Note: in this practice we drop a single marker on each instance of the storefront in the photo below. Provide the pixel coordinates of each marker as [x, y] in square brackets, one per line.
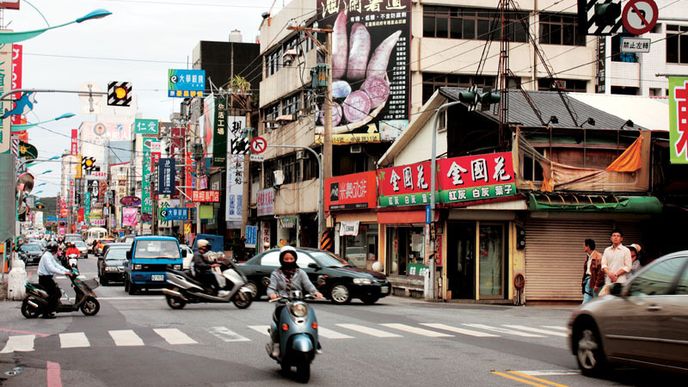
[265, 214]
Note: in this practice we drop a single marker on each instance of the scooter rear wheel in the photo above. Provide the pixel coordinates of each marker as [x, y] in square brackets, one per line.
[29, 311]
[243, 300]
[174, 302]
[90, 307]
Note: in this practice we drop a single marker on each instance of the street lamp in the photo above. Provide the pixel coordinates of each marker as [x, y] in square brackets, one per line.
[23, 127]
[7, 37]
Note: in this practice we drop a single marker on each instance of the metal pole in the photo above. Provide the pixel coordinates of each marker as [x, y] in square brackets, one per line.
[327, 127]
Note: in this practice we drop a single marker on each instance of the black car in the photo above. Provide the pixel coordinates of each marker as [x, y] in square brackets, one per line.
[111, 264]
[334, 277]
[30, 253]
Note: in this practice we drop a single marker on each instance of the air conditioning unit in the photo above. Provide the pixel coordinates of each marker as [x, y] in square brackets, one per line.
[356, 148]
[278, 178]
[289, 56]
[300, 155]
[285, 118]
[271, 125]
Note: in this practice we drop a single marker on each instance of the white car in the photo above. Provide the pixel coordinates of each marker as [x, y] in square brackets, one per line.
[189, 256]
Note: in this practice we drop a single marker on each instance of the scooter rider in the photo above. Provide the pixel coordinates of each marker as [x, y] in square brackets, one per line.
[46, 268]
[288, 277]
[203, 267]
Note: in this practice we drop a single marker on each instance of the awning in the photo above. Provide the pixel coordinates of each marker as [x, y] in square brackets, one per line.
[594, 203]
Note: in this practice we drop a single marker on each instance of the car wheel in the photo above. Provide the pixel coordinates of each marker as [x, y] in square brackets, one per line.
[589, 353]
[126, 284]
[369, 300]
[132, 289]
[339, 294]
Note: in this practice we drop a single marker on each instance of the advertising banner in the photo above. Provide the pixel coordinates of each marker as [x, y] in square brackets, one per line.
[145, 126]
[251, 236]
[87, 205]
[370, 56]
[265, 202]
[5, 86]
[678, 120]
[74, 148]
[358, 190]
[166, 176]
[188, 177]
[207, 127]
[235, 188]
[146, 198]
[479, 177]
[185, 83]
[220, 132]
[129, 216]
[205, 196]
[173, 213]
[404, 185]
[9, 4]
[17, 63]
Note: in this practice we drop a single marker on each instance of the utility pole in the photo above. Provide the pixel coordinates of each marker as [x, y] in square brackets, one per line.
[246, 173]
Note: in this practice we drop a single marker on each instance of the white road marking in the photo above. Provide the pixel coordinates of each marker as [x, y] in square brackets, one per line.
[556, 327]
[417, 331]
[459, 330]
[537, 330]
[330, 334]
[19, 343]
[126, 338]
[175, 336]
[368, 331]
[261, 329]
[74, 340]
[503, 330]
[226, 334]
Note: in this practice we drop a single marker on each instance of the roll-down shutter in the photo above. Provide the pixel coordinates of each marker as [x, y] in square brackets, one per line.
[555, 257]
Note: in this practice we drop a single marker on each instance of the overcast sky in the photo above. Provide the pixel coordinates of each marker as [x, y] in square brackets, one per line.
[137, 43]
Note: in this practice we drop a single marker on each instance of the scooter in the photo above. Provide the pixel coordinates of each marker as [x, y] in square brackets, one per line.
[184, 289]
[298, 335]
[85, 300]
[73, 261]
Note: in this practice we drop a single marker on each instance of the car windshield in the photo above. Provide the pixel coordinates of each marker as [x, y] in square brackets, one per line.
[80, 244]
[31, 248]
[117, 253]
[156, 249]
[328, 259]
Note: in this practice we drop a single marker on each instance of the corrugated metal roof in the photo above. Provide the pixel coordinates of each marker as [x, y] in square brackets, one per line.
[549, 103]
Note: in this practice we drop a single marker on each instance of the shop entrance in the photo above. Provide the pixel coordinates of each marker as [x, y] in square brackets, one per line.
[461, 260]
[491, 256]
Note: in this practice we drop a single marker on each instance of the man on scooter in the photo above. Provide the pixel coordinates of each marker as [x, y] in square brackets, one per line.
[203, 267]
[46, 268]
[288, 277]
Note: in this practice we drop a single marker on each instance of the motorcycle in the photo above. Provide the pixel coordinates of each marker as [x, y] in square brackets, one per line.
[298, 335]
[184, 289]
[85, 300]
[73, 261]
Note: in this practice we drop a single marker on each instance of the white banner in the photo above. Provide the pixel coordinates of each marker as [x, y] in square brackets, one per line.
[349, 228]
[235, 188]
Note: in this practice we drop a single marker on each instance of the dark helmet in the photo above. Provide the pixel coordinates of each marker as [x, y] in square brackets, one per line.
[52, 247]
[287, 249]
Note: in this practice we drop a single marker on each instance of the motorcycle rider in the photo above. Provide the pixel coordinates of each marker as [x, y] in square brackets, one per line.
[203, 267]
[288, 277]
[46, 268]
[72, 249]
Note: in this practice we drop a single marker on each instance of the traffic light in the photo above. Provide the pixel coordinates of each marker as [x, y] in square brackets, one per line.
[469, 97]
[488, 98]
[607, 14]
[119, 94]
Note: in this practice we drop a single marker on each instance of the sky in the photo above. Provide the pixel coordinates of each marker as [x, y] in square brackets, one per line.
[138, 43]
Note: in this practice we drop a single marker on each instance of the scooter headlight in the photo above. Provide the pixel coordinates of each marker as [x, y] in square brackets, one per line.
[299, 309]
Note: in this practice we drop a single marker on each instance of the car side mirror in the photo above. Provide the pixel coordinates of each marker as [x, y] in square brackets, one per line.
[314, 266]
[616, 290]
[183, 253]
[129, 255]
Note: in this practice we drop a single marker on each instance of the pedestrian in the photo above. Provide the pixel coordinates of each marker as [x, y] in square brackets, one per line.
[593, 278]
[635, 259]
[616, 260]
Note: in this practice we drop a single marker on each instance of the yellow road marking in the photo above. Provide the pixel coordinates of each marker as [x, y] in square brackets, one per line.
[524, 381]
[536, 379]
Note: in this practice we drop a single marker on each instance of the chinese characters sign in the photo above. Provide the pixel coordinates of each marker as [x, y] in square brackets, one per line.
[405, 185]
[5, 86]
[265, 202]
[17, 60]
[234, 189]
[477, 177]
[145, 126]
[205, 196]
[220, 132]
[74, 146]
[166, 176]
[185, 83]
[357, 190]
[678, 119]
[146, 198]
[173, 213]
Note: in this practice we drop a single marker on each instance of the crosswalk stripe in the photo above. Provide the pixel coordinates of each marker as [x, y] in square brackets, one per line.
[19, 343]
[226, 334]
[125, 338]
[417, 331]
[503, 330]
[175, 336]
[556, 327]
[368, 331]
[459, 330]
[74, 340]
[537, 330]
[330, 334]
[261, 329]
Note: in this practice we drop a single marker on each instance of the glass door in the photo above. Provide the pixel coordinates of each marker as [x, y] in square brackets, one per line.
[461, 260]
[491, 256]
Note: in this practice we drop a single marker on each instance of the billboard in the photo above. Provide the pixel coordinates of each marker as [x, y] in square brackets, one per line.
[480, 177]
[370, 55]
[358, 190]
[166, 176]
[5, 86]
[404, 185]
[678, 120]
[208, 124]
[185, 83]
[220, 132]
[146, 198]
[17, 60]
[234, 189]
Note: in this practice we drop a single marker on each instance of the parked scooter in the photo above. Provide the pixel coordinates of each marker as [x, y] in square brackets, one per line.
[298, 335]
[85, 300]
[185, 289]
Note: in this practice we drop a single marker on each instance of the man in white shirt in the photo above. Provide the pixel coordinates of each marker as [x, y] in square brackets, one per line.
[616, 260]
[46, 268]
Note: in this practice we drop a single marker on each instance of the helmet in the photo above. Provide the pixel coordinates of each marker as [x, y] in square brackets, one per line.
[52, 247]
[287, 249]
[203, 243]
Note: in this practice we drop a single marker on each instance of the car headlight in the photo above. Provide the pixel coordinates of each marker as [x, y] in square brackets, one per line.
[299, 309]
[362, 281]
[137, 267]
[177, 267]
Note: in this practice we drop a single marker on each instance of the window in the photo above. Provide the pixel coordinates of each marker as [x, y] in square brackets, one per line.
[657, 279]
[656, 92]
[571, 85]
[532, 170]
[272, 62]
[677, 44]
[292, 104]
[271, 112]
[560, 29]
[472, 23]
[682, 286]
[433, 81]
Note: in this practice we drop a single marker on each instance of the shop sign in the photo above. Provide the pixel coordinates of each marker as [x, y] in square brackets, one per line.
[166, 176]
[234, 189]
[478, 177]
[130, 201]
[404, 185]
[357, 190]
[205, 196]
[287, 221]
[183, 83]
[417, 269]
[251, 236]
[265, 202]
[349, 228]
[678, 120]
[206, 212]
[265, 235]
[97, 222]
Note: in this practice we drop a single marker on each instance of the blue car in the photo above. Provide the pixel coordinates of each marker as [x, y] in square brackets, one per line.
[148, 261]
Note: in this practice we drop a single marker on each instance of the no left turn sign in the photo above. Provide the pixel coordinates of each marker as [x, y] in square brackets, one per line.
[258, 145]
[640, 16]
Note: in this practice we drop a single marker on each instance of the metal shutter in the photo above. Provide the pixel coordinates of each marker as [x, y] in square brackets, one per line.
[554, 254]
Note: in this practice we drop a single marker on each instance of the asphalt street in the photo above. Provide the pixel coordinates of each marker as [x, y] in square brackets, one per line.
[139, 341]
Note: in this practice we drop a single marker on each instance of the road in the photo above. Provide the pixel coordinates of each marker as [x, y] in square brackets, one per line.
[140, 341]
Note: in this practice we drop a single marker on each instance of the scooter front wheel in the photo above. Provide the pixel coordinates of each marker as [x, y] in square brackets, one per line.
[90, 307]
[29, 311]
[303, 371]
[243, 300]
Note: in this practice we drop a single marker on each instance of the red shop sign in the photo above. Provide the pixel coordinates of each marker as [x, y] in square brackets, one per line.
[357, 190]
[405, 185]
[206, 196]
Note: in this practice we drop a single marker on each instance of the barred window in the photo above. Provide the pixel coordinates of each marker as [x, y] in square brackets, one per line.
[560, 30]
[572, 85]
[677, 44]
[291, 104]
[431, 82]
[472, 23]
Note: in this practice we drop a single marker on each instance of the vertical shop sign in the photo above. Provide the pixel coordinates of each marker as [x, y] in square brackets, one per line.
[5, 86]
[235, 188]
[678, 120]
[146, 198]
[166, 176]
[17, 63]
[74, 149]
[220, 132]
